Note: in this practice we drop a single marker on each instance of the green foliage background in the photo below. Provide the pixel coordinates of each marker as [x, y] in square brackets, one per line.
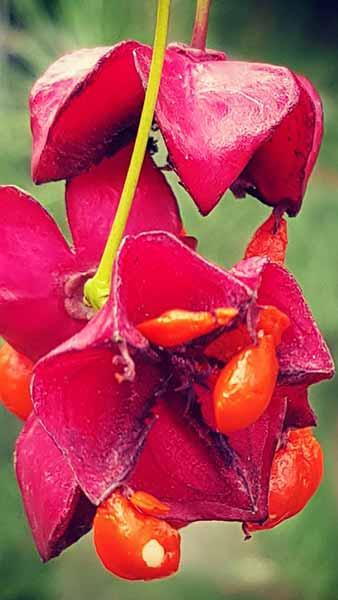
[298, 560]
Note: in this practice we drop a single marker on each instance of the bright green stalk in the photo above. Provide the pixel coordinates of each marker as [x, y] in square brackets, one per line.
[97, 288]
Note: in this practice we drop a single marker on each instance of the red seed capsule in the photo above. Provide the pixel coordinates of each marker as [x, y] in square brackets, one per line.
[296, 473]
[133, 545]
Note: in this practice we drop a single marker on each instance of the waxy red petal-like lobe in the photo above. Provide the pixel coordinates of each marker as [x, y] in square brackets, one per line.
[278, 172]
[80, 107]
[35, 260]
[155, 272]
[318, 130]
[41, 277]
[98, 421]
[270, 240]
[255, 447]
[203, 475]
[214, 115]
[299, 412]
[57, 511]
[303, 354]
[196, 55]
[92, 200]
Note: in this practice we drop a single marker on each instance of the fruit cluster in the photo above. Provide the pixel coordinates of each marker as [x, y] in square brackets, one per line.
[184, 397]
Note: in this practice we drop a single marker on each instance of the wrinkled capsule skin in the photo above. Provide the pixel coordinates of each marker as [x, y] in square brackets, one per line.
[245, 386]
[76, 110]
[257, 128]
[296, 473]
[15, 375]
[133, 545]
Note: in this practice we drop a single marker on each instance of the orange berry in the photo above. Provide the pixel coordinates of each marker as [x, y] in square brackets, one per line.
[177, 326]
[296, 473]
[15, 375]
[245, 386]
[270, 319]
[133, 545]
[270, 240]
[148, 504]
[273, 322]
[229, 343]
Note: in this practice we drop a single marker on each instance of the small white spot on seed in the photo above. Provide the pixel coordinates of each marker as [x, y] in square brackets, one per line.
[153, 554]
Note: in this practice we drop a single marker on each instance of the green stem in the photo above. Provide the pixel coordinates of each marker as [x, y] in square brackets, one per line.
[200, 31]
[97, 288]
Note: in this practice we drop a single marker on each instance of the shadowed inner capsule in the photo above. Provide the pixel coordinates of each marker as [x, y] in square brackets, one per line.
[232, 376]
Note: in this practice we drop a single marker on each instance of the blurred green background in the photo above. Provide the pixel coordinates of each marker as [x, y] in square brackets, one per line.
[298, 560]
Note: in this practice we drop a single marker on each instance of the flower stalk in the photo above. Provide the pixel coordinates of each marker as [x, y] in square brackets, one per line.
[96, 290]
[200, 30]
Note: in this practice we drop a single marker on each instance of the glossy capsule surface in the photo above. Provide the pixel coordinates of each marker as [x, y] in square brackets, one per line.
[134, 545]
